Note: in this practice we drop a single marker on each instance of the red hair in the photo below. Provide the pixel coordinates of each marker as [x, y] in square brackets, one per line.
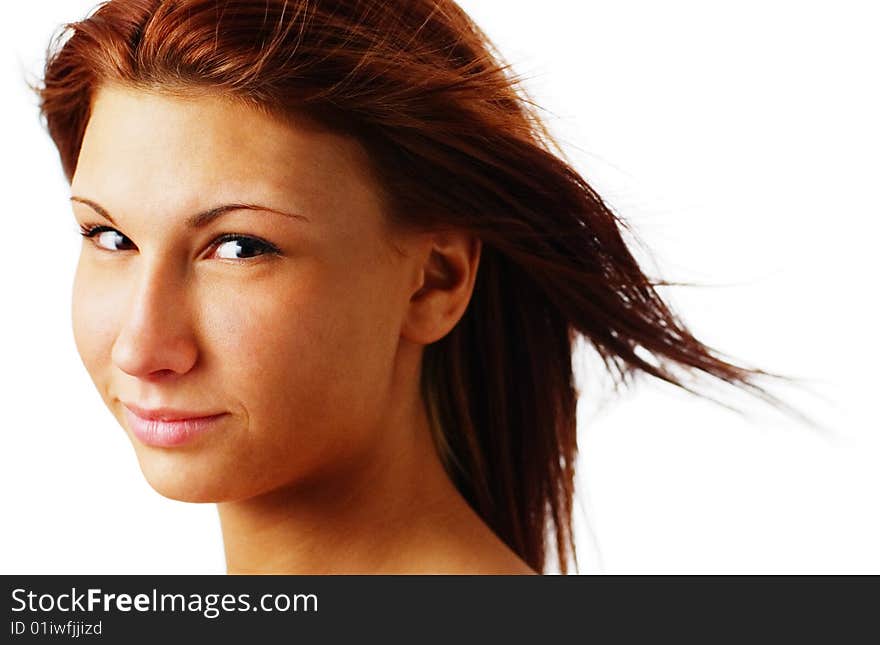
[455, 142]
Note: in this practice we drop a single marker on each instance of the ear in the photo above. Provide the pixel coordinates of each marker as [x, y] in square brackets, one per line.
[447, 275]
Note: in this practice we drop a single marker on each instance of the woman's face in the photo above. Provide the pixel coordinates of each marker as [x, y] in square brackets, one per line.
[280, 321]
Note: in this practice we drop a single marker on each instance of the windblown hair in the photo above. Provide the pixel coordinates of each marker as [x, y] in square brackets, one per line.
[455, 142]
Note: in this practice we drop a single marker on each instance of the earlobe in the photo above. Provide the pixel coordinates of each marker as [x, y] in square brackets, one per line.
[447, 280]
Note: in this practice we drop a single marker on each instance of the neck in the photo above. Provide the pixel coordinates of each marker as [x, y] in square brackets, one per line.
[396, 512]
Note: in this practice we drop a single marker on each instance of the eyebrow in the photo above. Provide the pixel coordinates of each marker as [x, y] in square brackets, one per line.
[199, 219]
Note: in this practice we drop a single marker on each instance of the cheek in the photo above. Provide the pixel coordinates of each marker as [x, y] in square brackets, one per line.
[310, 356]
[283, 343]
[95, 307]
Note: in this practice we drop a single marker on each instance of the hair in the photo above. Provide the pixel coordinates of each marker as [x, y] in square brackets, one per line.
[455, 142]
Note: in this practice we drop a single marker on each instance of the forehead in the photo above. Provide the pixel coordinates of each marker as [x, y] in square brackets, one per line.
[154, 148]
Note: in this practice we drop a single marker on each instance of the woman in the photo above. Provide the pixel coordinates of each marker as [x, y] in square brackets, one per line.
[331, 277]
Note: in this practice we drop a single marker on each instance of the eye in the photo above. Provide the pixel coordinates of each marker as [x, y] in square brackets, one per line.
[106, 238]
[233, 246]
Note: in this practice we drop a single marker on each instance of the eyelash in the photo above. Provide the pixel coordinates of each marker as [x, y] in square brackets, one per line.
[91, 230]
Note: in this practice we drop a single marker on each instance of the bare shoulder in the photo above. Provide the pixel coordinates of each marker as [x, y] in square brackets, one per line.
[471, 554]
[505, 562]
[484, 554]
[457, 541]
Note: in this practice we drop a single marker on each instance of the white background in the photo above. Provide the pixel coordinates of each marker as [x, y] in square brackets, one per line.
[741, 142]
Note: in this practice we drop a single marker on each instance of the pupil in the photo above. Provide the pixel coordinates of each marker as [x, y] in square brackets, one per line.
[244, 248]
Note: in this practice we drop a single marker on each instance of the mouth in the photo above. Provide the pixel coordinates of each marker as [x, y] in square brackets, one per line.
[167, 427]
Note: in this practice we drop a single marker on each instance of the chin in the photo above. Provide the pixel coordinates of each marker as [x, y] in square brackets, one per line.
[185, 478]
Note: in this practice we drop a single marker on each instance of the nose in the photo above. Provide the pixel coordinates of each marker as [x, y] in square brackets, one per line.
[156, 338]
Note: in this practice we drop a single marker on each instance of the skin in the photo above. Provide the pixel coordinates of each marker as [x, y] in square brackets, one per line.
[323, 461]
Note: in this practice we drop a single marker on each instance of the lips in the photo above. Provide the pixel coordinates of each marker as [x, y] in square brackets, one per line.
[169, 427]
